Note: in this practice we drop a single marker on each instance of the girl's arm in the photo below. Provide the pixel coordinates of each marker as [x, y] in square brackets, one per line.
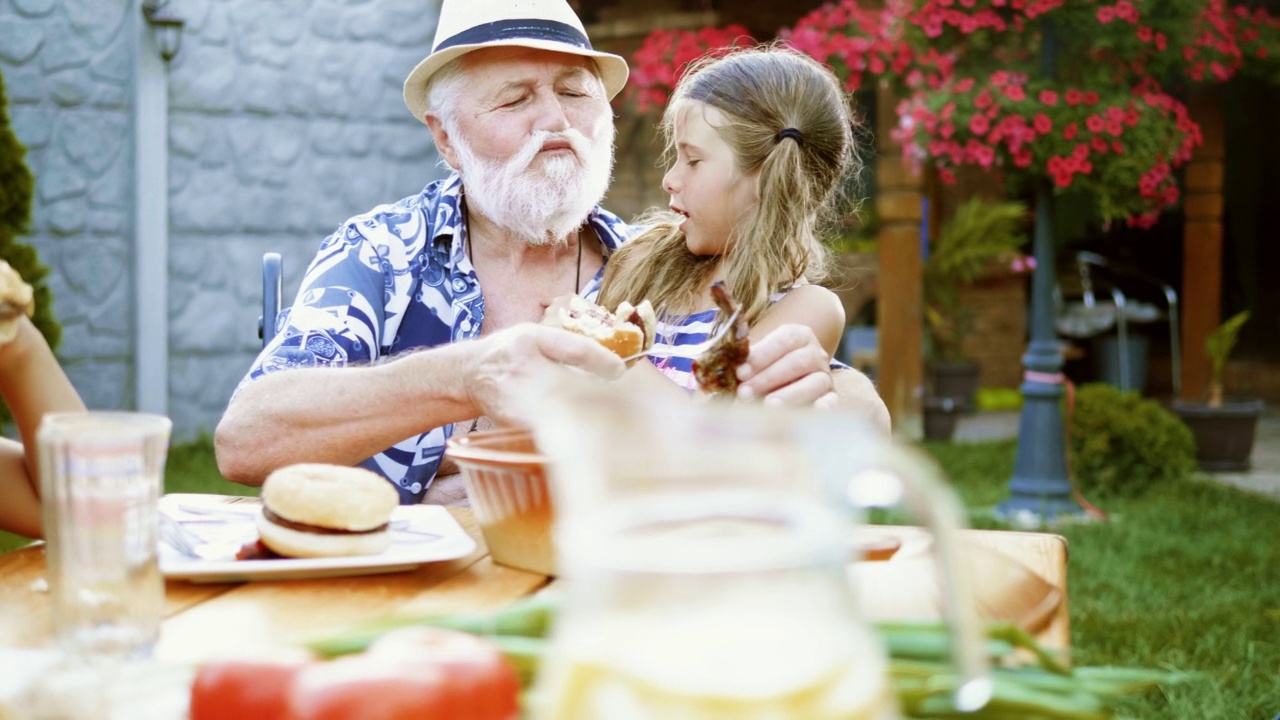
[32, 384]
[810, 305]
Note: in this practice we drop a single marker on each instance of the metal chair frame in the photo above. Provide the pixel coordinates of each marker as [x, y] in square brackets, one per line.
[272, 284]
[1086, 260]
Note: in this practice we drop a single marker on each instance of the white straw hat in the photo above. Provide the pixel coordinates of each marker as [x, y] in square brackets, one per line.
[467, 25]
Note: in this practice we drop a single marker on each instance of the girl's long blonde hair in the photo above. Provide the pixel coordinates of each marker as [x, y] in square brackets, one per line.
[760, 91]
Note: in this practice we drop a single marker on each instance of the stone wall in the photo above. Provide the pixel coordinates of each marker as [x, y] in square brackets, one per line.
[67, 66]
[285, 119]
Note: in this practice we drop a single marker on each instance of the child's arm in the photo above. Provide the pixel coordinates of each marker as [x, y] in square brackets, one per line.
[810, 305]
[32, 384]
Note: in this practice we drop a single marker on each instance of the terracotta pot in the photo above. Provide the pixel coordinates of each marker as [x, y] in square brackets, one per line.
[955, 380]
[1224, 435]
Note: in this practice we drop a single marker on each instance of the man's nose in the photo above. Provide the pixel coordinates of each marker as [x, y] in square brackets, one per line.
[551, 114]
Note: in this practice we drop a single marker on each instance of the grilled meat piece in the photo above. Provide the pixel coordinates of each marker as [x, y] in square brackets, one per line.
[716, 370]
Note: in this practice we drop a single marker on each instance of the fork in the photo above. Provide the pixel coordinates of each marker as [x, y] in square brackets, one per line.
[177, 537]
[709, 342]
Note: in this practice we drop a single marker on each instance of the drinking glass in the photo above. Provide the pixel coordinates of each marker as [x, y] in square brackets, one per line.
[101, 475]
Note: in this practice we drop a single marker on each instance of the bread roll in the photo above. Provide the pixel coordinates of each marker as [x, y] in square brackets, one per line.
[16, 299]
[625, 332]
[317, 510]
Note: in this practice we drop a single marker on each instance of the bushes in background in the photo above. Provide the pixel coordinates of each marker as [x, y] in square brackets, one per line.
[1124, 445]
[16, 188]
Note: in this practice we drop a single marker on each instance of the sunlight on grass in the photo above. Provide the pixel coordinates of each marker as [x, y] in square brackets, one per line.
[1182, 578]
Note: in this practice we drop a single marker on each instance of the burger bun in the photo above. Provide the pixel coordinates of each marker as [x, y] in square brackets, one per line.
[348, 507]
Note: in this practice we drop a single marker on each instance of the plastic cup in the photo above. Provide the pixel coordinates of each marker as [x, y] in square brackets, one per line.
[101, 477]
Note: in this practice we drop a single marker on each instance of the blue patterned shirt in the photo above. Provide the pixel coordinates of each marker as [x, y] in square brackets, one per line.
[396, 279]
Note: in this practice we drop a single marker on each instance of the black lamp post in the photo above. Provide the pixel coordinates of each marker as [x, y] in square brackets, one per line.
[1040, 484]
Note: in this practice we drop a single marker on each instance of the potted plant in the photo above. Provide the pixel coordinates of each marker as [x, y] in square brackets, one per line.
[1224, 428]
[983, 237]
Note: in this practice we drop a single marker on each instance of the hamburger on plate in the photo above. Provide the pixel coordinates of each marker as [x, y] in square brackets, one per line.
[316, 510]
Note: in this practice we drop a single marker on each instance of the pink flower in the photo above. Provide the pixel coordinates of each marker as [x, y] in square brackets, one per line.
[1043, 124]
[979, 125]
[1048, 97]
[1074, 97]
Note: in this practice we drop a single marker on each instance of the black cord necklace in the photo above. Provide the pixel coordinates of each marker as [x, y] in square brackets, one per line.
[577, 273]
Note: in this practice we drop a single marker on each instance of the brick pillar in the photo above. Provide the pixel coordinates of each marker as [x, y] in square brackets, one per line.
[1201, 298]
[899, 309]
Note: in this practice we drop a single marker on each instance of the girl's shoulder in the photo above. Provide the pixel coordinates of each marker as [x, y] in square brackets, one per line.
[809, 295]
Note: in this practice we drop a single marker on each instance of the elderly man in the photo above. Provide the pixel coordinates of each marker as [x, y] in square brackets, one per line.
[517, 103]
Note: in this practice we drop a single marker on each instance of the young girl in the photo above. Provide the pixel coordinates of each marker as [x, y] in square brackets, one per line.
[762, 140]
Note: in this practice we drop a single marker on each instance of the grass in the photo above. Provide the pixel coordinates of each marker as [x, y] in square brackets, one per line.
[1183, 578]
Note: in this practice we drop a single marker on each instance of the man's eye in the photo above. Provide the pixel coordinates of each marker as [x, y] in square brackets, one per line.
[513, 103]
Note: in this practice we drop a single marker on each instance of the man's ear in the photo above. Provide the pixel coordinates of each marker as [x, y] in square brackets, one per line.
[444, 143]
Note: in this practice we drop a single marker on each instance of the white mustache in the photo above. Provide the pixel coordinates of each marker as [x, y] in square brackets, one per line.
[578, 143]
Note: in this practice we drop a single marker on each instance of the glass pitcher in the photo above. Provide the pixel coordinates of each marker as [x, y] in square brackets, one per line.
[704, 548]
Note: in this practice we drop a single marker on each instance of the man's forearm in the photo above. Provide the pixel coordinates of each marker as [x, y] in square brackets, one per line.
[859, 395]
[339, 415]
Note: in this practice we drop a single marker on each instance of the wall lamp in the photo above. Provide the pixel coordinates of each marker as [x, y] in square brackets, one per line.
[167, 27]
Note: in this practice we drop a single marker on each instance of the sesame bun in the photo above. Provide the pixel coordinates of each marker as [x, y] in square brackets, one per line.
[325, 511]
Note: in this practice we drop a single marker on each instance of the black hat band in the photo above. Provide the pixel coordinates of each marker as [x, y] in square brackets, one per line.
[530, 29]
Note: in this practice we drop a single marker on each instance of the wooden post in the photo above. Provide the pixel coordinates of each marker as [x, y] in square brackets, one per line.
[900, 304]
[1202, 241]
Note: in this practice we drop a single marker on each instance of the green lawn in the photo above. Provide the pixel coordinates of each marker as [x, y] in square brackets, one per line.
[1185, 578]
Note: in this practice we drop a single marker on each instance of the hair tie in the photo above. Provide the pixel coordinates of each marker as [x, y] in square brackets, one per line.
[792, 133]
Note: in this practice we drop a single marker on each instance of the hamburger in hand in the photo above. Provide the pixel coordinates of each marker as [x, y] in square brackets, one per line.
[627, 331]
[316, 510]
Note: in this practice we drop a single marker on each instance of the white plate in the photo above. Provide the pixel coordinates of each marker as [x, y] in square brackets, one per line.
[233, 525]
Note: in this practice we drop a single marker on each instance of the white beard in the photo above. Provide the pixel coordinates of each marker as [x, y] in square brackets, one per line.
[541, 205]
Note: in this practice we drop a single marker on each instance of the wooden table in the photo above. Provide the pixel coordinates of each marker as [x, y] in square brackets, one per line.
[203, 621]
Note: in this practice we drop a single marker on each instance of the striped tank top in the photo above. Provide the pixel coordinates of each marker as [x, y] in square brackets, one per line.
[686, 336]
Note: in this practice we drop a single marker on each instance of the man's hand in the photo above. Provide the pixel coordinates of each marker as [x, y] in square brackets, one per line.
[788, 366]
[510, 361]
[551, 314]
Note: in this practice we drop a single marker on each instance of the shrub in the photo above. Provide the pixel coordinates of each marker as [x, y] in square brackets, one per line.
[1123, 444]
[16, 188]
